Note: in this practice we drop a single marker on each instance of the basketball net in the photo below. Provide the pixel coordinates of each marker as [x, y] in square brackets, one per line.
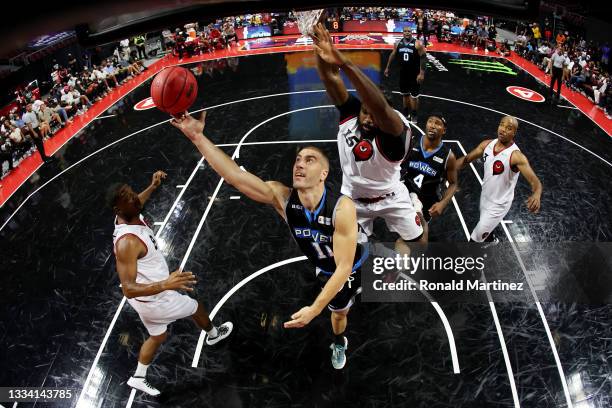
[307, 19]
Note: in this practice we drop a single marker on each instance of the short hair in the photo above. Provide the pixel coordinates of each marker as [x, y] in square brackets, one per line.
[317, 149]
[113, 193]
[440, 116]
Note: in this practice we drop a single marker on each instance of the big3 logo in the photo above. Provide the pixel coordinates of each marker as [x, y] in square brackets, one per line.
[498, 167]
[363, 150]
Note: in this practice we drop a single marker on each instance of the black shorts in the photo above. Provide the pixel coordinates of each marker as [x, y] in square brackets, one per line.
[409, 84]
[346, 297]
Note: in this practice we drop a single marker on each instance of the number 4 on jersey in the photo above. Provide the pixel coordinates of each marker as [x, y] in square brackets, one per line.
[418, 180]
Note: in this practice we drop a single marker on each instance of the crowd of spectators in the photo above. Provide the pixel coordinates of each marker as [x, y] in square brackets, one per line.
[75, 87]
[79, 84]
[585, 64]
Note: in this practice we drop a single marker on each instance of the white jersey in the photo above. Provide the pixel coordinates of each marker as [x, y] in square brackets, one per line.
[152, 267]
[499, 177]
[366, 172]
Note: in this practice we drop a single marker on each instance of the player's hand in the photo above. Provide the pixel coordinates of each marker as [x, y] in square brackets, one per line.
[179, 280]
[158, 176]
[533, 203]
[437, 209]
[420, 78]
[192, 128]
[386, 72]
[324, 47]
[301, 318]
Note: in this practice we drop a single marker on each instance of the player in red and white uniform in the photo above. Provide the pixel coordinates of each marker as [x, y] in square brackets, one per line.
[373, 140]
[503, 161]
[147, 282]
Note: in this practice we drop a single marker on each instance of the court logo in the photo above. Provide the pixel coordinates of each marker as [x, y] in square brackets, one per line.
[145, 104]
[525, 94]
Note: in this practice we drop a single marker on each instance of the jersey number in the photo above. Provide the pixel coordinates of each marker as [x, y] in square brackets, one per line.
[406, 56]
[418, 180]
[320, 254]
[154, 242]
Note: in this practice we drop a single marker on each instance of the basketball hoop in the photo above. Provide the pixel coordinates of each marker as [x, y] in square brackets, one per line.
[307, 19]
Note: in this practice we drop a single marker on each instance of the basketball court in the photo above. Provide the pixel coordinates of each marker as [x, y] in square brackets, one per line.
[66, 324]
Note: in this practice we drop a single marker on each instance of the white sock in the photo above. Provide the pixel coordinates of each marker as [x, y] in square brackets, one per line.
[212, 332]
[141, 370]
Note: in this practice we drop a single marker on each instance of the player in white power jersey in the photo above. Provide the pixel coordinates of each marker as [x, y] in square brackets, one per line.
[503, 161]
[147, 282]
[373, 140]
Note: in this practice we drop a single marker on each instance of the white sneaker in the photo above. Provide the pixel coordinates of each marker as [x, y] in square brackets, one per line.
[222, 332]
[141, 384]
[338, 357]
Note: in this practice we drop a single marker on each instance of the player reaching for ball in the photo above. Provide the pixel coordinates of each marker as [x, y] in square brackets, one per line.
[373, 140]
[322, 222]
[503, 161]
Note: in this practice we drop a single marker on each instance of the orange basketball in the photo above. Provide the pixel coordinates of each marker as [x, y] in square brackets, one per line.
[174, 90]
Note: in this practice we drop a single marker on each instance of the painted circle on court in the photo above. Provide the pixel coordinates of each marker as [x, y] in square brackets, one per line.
[145, 104]
[525, 94]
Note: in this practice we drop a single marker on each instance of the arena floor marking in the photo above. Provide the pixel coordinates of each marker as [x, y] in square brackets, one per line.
[123, 300]
[548, 85]
[551, 341]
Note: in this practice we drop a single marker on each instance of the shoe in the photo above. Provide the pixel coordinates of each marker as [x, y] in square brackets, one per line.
[222, 332]
[141, 384]
[489, 244]
[338, 357]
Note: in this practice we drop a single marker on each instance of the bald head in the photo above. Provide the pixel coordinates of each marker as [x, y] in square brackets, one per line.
[510, 120]
[507, 129]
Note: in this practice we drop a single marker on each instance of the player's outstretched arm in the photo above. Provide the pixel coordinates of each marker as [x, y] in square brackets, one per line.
[473, 155]
[344, 246]
[330, 76]
[519, 160]
[272, 192]
[127, 251]
[451, 176]
[387, 119]
[156, 180]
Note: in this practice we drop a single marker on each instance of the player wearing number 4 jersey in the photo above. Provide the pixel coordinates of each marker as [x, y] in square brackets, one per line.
[503, 161]
[323, 223]
[147, 282]
[427, 166]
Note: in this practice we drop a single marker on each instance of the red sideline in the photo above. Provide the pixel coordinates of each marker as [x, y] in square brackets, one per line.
[30, 165]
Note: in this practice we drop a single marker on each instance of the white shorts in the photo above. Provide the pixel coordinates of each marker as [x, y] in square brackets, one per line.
[490, 216]
[158, 314]
[397, 211]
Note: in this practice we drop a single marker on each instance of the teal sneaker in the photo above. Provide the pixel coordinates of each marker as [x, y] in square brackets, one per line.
[338, 357]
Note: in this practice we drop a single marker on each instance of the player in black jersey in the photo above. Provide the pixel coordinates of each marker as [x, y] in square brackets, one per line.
[323, 223]
[413, 62]
[428, 165]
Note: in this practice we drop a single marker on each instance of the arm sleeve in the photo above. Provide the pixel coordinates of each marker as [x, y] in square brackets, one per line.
[350, 108]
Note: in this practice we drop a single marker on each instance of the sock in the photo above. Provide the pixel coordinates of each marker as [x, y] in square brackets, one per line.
[339, 339]
[212, 332]
[141, 370]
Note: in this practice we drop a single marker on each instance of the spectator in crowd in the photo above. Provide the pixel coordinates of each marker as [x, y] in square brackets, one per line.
[139, 42]
[229, 34]
[537, 35]
[31, 121]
